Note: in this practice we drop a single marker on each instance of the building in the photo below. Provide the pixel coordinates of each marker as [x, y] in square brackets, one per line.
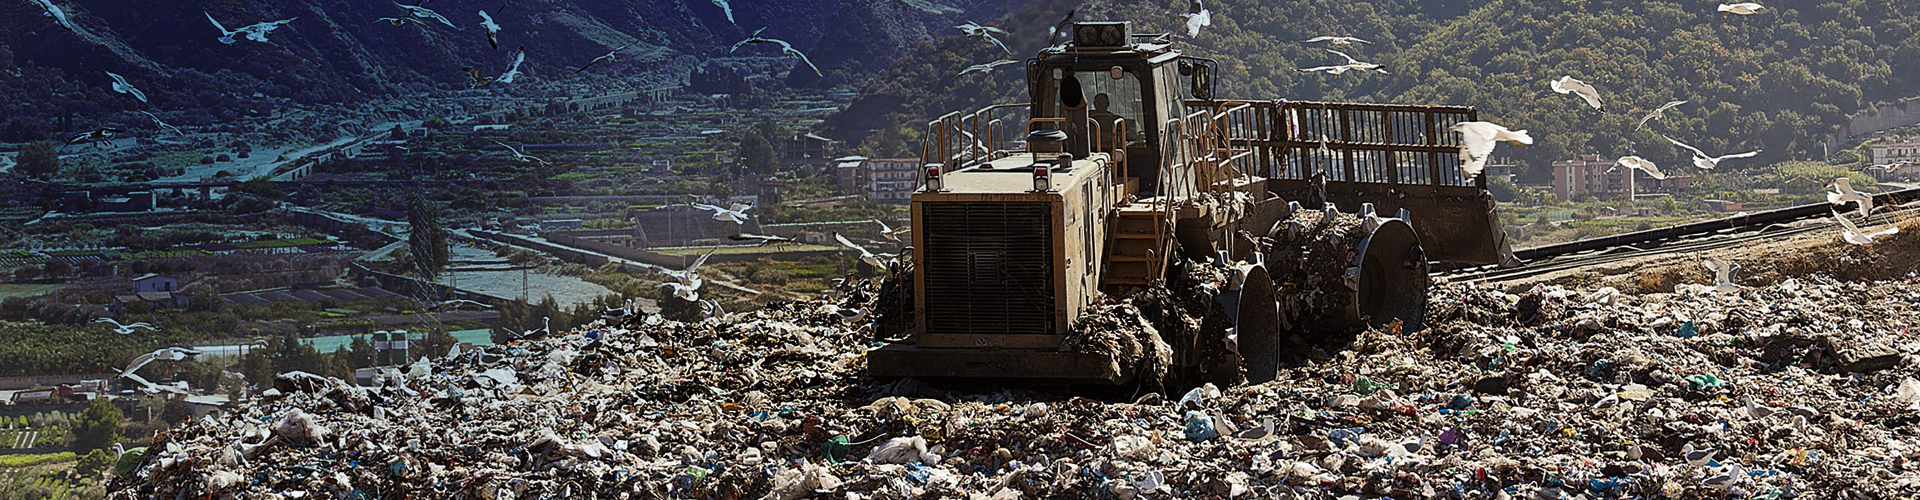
[847, 171]
[1589, 175]
[1674, 183]
[808, 148]
[680, 225]
[155, 283]
[1897, 151]
[891, 179]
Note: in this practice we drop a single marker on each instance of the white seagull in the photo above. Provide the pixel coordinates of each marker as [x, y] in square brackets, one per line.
[609, 56]
[168, 354]
[1351, 65]
[1641, 164]
[785, 48]
[426, 13]
[1337, 41]
[1851, 233]
[256, 32]
[1744, 9]
[984, 68]
[1477, 140]
[126, 328]
[401, 21]
[1568, 85]
[120, 85]
[156, 120]
[737, 213]
[1723, 272]
[515, 70]
[974, 29]
[763, 239]
[493, 30]
[726, 8]
[691, 273]
[59, 15]
[889, 232]
[1704, 162]
[519, 156]
[688, 291]
[1197, 17]
[1843, 193]
[1660, 112]
[872, 259]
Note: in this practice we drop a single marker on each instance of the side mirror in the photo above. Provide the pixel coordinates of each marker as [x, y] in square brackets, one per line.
[1202, 82]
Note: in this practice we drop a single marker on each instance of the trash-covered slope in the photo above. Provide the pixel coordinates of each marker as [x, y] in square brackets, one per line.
[1803, 388]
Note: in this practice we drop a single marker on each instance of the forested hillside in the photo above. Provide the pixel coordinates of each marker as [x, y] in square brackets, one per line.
[339, 52]
[1778, 81]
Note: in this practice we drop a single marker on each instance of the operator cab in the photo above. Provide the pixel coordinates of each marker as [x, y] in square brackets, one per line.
[1125, 87]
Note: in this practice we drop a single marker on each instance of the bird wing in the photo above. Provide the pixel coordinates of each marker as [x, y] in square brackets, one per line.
[137, 363]
[1748, 154]
[843, 241]
[1696, 151]
[1717, 267]
[883, 226]
[1318, 39]
[997, 42]
[1196, 21]
[1476, 143]
[516, 152]
[804, 59]
[216, 24]
[486, 21]
[1670, 105]
[727, 9]
[701, 261]
[1845, 224]
[1350, 59]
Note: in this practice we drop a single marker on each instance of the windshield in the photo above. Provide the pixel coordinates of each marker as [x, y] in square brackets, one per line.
[1107, 99]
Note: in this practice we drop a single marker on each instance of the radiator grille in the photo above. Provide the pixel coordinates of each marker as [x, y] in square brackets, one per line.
[988, 268]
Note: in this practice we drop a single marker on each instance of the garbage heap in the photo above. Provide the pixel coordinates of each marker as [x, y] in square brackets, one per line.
[1805, 388]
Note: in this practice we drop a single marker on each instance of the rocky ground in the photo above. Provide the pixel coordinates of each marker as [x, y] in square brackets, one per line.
[1803, 387]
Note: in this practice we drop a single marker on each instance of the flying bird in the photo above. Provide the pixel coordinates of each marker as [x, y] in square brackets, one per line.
[609, 56]
[1723, 272]
[1660, 112]
[400, 21]
[785, 48]
[1351, 65]
[493, 30]
[168, 354]
[1852, 234]
[889, 232]
[726, 8]
[1704, 162]
[120, 85]
[1197, 17]
[973, 29]
[763, 239]
[426, 13]
[1337, 41]
[1568, 85]
[162, 124]
[984, 68]
[256, 32]
[1641, 164]
[737, 213]
[519, 156]
[479, 80]
[686, 282]
[95, 135]
[872, 259]
[515, 70]
[1477, 140]
[1744, 9]
[126, 328]
[1843, 193]
[59, 15]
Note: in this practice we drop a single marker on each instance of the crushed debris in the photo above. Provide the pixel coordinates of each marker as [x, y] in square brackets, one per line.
[1802, 388]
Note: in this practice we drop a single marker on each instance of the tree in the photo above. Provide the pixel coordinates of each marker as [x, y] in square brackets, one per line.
[756, 151]
[98, 426]
[428, 239]
[93, 463]
[39, 159]
[438, 343]
[360, 352]
[397, 133]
